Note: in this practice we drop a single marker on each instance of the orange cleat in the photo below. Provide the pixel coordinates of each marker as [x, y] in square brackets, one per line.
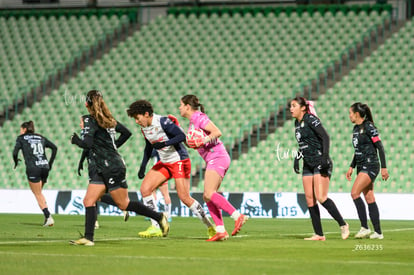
[238, 224]
[220, 236]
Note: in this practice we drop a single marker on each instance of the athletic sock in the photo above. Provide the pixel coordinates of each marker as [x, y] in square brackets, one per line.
[90, 218]
[236, 214]
[106, 198]
[220, 229]
[46, 212]
[333, 210]
[141, 209]
[221, 203]
[149, 201]
[374, 215]
[198, 210]
[97, 210]
[168, 209]
[362, 212]
[215, 213]
[316, 219]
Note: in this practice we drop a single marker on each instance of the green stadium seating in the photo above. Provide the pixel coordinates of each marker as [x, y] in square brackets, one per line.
[239, 66]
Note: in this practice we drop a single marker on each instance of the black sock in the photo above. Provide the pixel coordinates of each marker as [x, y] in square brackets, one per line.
[374, 215]
[143, 210]
[97, 210]
[331, 207]
[316, 219]
[106, 198]
[362, 212]
[90, 218]
[46, 212]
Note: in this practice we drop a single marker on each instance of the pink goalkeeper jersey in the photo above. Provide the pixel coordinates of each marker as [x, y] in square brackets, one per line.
[210, 150]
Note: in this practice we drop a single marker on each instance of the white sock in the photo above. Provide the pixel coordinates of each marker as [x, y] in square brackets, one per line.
[168, 209]
[235, 215]
[220, 229]
[198, 210]
[149, 201]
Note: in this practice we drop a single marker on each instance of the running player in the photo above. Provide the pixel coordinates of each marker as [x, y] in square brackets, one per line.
[162, 134]
[93, 176]
[317, 166]
[212, 150]
[99, 138]
[366, 141]
[37, 165]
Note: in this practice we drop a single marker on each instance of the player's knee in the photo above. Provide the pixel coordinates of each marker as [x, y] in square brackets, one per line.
[87, 202]
[355, 195]
[207, 196]
[146, 190]
[322, 199]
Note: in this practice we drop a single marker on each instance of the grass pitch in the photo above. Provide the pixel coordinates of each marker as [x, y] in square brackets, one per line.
[264, 246]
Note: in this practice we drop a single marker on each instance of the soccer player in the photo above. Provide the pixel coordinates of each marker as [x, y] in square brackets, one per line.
[163, 189]
[162, 134]
[100, 138]
[366, 142]
[37, 165]
[313, 143]
[212, 150]
[92, 173]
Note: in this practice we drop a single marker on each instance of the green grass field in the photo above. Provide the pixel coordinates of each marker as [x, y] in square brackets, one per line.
[265, 246]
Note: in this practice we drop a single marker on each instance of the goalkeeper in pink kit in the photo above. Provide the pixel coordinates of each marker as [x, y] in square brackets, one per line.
[212, 150]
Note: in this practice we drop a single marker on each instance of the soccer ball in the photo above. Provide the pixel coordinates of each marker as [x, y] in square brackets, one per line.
[195, 134]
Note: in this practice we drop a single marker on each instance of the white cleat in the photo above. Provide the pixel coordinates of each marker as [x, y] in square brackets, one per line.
[363, 233]
[126, 215]
[345, 231]
[377, 236]
[82, 241]
[49, 221]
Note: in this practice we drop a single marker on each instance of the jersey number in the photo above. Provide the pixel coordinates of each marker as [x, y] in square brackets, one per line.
[37, 148]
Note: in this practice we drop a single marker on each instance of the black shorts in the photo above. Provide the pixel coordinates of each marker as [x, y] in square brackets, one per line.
[309, 170]
[94, 177]
[37, 174]
[114, 179]
[371, 169]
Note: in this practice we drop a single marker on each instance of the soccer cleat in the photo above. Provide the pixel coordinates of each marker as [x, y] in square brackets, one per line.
[164, 225]
[315, 238]
[219, 236]
[363, 233]
[211, 231]
[126, 216]
[96, 225]
[377, 236]
[49, 222]
[238, 224]
[345, 231]
[169, 219]
[151, 232]
[82, 241]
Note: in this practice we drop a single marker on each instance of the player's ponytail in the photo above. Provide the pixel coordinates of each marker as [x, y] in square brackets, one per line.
[29, 126]
[193, 101]
[98, 109]
[308, 104]
[363, 110]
